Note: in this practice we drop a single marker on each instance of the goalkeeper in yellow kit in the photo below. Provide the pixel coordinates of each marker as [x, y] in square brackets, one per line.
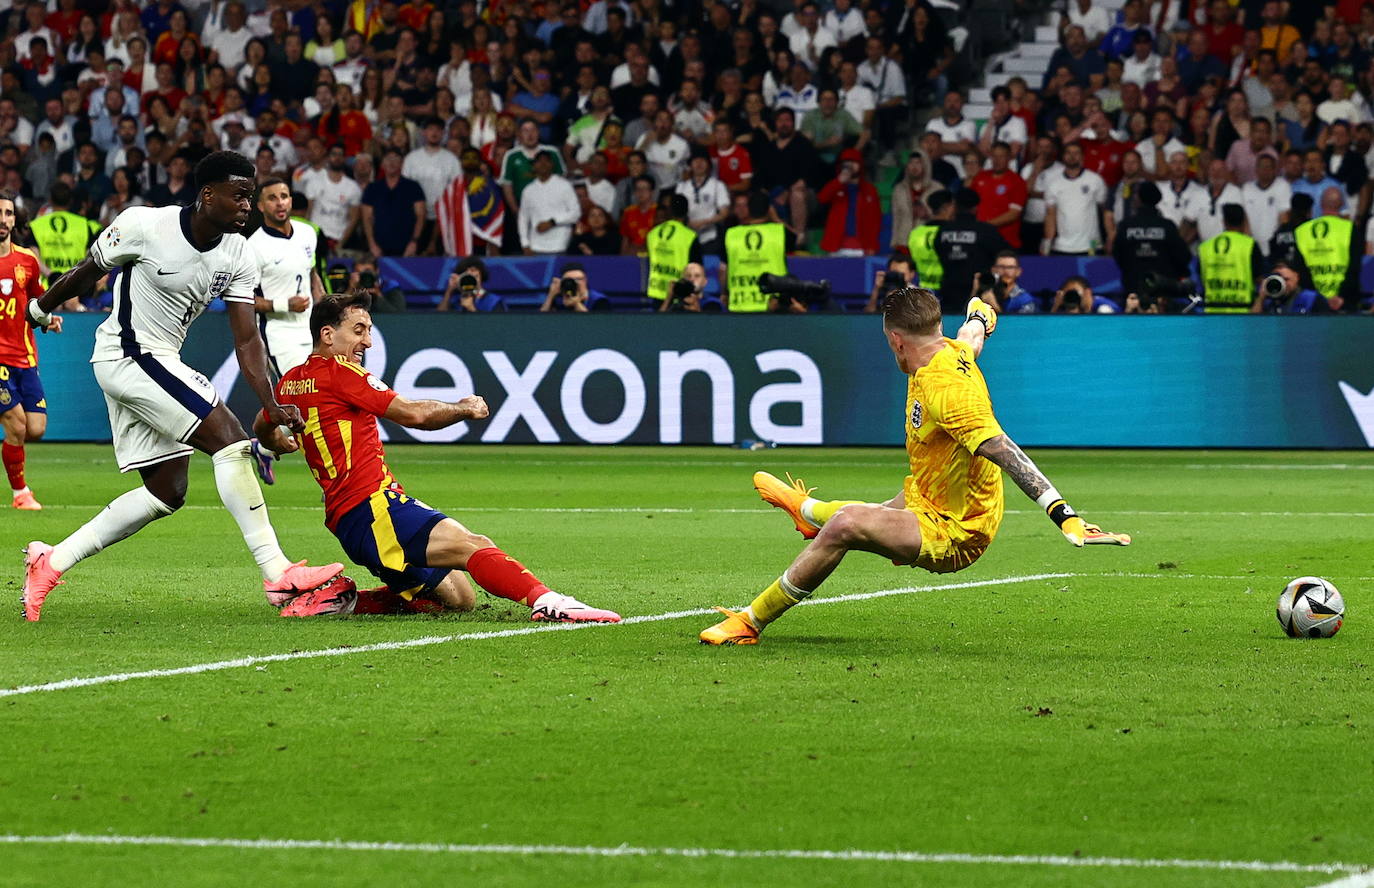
[951, 504]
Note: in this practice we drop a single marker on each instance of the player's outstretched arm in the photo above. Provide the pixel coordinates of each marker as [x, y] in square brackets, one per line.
[431, 415]
[252, 359]
[78, 282]
[276, 438]
[1003, 452]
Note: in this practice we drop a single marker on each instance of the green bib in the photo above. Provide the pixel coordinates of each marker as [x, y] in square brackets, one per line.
[921, 243]
[1324, 243]
[1228, 280]
[63, 238]
[670, 249]
[751, 250]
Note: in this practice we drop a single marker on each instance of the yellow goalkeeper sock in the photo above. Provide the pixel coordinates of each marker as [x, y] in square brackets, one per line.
[774, 601]
[820, 511]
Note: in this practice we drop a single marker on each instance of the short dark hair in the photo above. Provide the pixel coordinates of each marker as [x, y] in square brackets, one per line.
[472, 263]
[912, 310]
[1148, 194]
[903, 258]
[1301, 202]
[330, 311]
[1009, 254]
[572, 266]
[60, 195]
[221, 166]
[653, 183]
[1000, 92]
[679, 206]
[1232, 215]
[270, 181]
[939, 200]
[966, 199]
[758, 204]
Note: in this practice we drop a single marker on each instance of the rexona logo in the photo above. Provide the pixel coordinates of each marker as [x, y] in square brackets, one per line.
[798, 392]
[1363, 408]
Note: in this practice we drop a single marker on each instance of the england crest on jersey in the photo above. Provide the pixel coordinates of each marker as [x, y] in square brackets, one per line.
[219, 282]
[917, 414]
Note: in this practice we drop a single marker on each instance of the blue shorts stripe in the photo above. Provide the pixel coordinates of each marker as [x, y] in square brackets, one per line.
[169, 383]
[126, 313]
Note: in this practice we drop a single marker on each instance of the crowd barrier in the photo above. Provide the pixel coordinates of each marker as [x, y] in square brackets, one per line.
[1222, 381]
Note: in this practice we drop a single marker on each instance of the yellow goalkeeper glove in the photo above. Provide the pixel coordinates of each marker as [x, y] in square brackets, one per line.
[981, 311]
[1080, 532]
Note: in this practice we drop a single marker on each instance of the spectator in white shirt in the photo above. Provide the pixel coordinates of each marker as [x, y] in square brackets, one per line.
[884, 77]
[812, 38]
[692, 117]
[1162, 145]
[434, 167]
[548, 210]
[1073, 204]
[334, 199]
[227, 44]
[1342, 105]
[1141, 67]
[57, 124]
[354, 63]
[1266, 201]
[1220, 191]
[34, 14]
[1183, 198]
[957, 133]
[708, 201]
[1091, 17]
[844, 21]
[600, 190]
[595, 19]
[1002, 126]
[665, 150]
[800, 94]
[855, 98]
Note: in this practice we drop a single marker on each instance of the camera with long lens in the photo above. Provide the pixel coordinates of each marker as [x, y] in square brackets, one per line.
[1273, 286]
[1073, 297]
[892, 281]
[469, 282]
[792, 289]
[1162, 290]
[567, 287]
[367, 279]
[679, 293]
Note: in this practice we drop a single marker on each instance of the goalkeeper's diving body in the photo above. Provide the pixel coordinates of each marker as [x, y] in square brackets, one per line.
[949, 509]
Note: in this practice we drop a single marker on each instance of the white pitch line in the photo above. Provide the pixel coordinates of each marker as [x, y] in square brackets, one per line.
[850, 854]
[254, 660]
[1363, 879]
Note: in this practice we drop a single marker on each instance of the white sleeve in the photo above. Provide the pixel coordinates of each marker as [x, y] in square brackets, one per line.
[1050, 199]
[245, 277]
[571, 209]
[122, 242]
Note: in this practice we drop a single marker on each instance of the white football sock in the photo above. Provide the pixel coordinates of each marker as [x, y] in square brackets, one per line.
[237, 483]
[120, 519]
[807, 505]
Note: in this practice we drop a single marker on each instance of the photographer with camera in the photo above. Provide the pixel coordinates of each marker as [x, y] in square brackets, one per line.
[1075, 296]
[672, 244]
[469, 281]
[689, 292]
[1153, 256]
[387, 297]
[756, 247]
[900, 272]
[1282, 293]
[569, 291]
[1002, 289]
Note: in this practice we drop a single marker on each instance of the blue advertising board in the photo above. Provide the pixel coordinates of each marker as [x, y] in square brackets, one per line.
[1082, 381]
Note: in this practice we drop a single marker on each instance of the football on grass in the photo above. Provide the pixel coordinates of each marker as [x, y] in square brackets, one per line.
[1310, 607]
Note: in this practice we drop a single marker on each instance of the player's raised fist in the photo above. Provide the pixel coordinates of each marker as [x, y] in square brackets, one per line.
[475, 407]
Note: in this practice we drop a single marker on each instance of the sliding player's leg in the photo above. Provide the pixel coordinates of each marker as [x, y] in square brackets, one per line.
[453, 592]
[891, 532]
[808, 513]
[220, 435]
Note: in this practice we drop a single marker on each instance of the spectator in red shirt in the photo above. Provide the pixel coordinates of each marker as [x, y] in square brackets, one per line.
[638, 217]
[1103, 149]
[1001, 195]
[1224, 36]
[65, 20]
[856, 213]
[733, 166]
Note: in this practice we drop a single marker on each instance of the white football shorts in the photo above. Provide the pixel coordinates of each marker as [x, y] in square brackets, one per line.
[156, 403]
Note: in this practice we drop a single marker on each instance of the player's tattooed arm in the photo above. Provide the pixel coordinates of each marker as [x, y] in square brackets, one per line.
[430, 415]
[1003, 451]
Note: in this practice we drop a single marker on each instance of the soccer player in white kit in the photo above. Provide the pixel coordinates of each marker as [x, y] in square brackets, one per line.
[289, 285]
[174, 261]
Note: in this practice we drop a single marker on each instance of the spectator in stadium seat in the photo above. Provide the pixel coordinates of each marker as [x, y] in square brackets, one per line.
[596, 235]
[1275, 32]
[432, 167]
[639, 216]
[1041, 172]
[1122, 203]
[1183, 197]
[785, 166]
[1245, 153]
[1230, 125]
[854, 97]
[1082, 61]
[1120, 40]
[393, 210]
[1002, 125]
[707, 199]
[1342, 103]
[885, 78]
[1001, 195]
[1142, 65]
[734, 167]
[1103, 148]
[665, 150]
[1346, 165]
[517, 167]
[1266, 201]
[1220, 192]
[1315, 181]
[1197, 64]
[1073, 204]
[800, 92]
[1091, 18]
[548, 209]
[812, 37]
[831, 129]
[957, 133]
[692, 117]
[537, 102]
[854, 211]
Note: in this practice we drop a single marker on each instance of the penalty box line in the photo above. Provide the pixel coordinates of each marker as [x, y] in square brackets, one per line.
[256, 660]
[1258, 866]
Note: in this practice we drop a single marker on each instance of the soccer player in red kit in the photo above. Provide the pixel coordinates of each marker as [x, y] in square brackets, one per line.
[412, 548]
[23, 407]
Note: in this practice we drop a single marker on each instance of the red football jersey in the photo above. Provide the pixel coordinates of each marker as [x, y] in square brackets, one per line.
[340, 401]
[733, 166]
[1103, 156]
[997, 195]
[20, 281]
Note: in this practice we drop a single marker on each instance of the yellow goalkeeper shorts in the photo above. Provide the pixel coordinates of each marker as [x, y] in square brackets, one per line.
[947, 544]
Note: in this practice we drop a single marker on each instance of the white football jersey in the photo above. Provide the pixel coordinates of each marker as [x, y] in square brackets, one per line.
[284, 266]
[330, 202]
[166, 280]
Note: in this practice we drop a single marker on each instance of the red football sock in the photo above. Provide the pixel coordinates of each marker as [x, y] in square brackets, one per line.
[502, 575]
[13, 456]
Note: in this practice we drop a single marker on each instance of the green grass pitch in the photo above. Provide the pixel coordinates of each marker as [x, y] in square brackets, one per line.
[1145, 706]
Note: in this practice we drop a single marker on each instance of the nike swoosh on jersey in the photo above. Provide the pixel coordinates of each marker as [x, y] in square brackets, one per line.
[163, 271]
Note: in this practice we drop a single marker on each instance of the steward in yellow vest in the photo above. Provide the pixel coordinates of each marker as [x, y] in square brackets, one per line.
[921, 241]
[752, 249]
[1331, 256]
[1229, 265]
[671, 245]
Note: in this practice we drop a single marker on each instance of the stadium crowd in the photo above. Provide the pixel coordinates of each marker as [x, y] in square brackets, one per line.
[517, 127]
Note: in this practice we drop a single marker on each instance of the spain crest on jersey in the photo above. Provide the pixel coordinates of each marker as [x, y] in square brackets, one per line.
[219, 282]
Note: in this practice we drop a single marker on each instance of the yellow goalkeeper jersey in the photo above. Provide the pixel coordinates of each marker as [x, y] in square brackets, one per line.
[949, 414]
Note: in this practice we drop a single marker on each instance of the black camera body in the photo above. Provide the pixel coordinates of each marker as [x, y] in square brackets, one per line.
[367, 279]
[790, 288]
[469, 282]
[1273, 286]
[567, 287]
